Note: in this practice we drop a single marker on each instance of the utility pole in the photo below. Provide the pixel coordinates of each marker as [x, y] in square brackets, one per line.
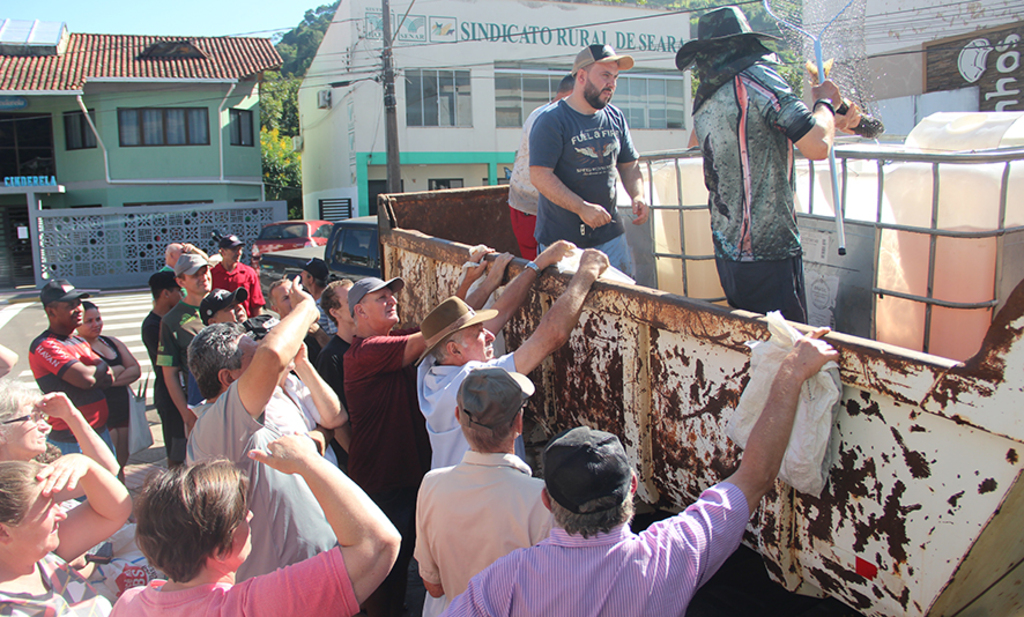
[390, 112]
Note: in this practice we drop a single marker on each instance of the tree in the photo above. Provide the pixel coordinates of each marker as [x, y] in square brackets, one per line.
[282, 170]
[299, 45]
[279, 104]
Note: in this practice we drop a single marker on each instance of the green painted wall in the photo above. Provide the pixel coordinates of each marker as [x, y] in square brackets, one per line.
[83, 170]
[364, 159]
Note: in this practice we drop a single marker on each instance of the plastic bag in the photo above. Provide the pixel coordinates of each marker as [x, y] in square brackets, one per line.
[571, 263]
[808, 456]
[139, 436]
[126, 569]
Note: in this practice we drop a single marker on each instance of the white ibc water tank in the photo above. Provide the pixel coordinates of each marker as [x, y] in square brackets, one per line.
[965, 268]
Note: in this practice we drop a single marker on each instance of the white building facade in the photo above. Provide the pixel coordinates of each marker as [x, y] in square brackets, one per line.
[468, 74]
[929, 56]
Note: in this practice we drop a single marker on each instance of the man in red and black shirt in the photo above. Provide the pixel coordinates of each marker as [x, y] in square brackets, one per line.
[63, 362]
[231, 274]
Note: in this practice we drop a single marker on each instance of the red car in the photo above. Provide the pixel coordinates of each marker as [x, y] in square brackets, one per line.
[288, 235]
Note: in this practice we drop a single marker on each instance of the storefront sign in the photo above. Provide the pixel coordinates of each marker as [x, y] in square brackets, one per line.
[10, 181]
[9, 103]
[421, 28]
[991, 61]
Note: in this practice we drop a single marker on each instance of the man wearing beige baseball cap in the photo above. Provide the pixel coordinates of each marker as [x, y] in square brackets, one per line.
[579, 150]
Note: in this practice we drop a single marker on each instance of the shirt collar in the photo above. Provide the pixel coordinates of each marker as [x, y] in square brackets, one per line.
[490, 459]
[617, 534]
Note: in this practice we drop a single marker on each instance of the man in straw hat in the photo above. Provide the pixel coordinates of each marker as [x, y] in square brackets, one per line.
[459, 340]
[746, 120]
[592, 564]
[488, 505]
[579, 149]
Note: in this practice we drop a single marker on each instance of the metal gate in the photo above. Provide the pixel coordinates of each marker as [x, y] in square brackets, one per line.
[111, 248]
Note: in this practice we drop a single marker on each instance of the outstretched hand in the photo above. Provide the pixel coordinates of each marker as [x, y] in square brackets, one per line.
[289, 454]
[554, 254]
[810, 354]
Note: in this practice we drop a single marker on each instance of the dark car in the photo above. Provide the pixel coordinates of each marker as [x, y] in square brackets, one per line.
[352, 252]
[287, 235]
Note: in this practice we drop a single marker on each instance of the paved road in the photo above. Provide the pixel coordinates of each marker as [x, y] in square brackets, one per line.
[22, 319]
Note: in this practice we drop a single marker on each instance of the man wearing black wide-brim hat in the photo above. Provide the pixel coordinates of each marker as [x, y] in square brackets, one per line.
[746, 120]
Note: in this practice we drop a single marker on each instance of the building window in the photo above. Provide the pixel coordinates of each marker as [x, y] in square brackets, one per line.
[438, 184]
[517, 93]
[26, 145]
[653, 102]
[648, 102]
[184, 126]
[437, 98]
[241, 127]
[77, 134]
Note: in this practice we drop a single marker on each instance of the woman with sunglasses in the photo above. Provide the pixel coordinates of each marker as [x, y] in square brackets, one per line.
[126, 371]
[23, 427]
[38, 539]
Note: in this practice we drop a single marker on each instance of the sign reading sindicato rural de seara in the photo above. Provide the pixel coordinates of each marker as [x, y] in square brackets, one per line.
[439, 29]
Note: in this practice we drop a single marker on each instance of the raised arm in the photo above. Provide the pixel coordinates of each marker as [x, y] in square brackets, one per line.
[366, 538]
[517, 290]
[495, 275]
[8, 359]
[58, 405]
[770, 435]
[332, 414]
[554, 328]
[276, 351]
[106, 508]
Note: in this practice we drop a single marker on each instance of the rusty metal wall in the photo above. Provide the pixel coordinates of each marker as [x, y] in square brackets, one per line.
[921, 512]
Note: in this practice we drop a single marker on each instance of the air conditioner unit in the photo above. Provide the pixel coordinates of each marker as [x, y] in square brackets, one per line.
[297, 143]
[323, 99]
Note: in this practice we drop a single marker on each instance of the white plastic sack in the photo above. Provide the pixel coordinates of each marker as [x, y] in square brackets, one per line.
[571, 263]
[139, 436]
[808, 456]
[128, 568]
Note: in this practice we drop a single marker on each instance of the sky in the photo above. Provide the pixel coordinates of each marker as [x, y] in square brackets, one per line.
[262, 18]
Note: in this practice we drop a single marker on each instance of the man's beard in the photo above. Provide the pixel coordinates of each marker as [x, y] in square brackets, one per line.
[593, 96]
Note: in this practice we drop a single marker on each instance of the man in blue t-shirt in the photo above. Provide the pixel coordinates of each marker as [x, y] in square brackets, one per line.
[579, 149]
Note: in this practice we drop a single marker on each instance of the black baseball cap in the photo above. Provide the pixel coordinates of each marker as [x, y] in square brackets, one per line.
[318, 269]
[229, 242]
[220, 299]
[586, 471]
[60, 290]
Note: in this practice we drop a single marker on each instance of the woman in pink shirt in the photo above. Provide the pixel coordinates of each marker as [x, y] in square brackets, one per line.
[193, 524]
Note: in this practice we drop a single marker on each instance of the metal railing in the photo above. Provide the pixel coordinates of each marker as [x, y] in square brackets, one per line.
[882, 157]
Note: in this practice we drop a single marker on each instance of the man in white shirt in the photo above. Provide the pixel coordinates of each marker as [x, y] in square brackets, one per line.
[459, 340]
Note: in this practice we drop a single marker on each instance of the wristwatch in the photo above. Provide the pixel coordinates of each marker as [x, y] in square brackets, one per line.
[826, 103]
[533, 266]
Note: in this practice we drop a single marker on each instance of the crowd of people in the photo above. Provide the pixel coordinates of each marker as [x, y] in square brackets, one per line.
[314, 449]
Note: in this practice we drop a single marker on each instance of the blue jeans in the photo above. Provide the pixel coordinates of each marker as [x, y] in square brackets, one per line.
[72, 447]
[617, 250]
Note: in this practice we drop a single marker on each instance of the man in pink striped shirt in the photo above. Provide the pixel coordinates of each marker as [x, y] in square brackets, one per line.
[592, 564]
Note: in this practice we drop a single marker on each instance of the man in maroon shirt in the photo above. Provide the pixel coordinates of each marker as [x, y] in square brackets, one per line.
[390, 451]
[230, 274]
[63, 362]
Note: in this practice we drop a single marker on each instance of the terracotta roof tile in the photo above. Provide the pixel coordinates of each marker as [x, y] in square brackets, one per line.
[110, 55]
